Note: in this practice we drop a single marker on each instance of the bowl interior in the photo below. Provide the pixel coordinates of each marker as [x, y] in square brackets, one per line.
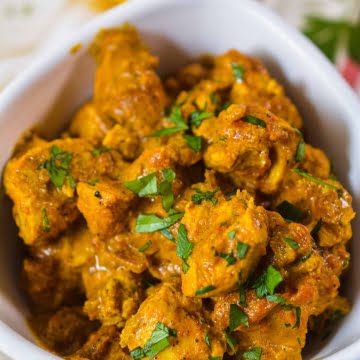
[49, 94]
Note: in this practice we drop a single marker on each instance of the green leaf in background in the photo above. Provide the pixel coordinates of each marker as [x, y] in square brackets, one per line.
[354, 42]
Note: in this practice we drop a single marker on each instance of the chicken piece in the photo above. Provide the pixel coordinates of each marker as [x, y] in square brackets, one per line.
[228, 237]
[168, 306]
[102, 345]
[105, 206]
[90, 125]
[65, 331]
[123, 140]
[42, 182]
[51, 275]
[325, 204]
[185, 79]
[316, 162]
[250, 83]
[280, 336]
[113, 296]
[127, 89]
[255, 155]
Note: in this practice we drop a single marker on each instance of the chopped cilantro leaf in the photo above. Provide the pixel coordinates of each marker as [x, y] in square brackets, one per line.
[194, 142]
[45, 220]
[238, 71]
[100, 150]
[151, 222]
[207, 340]
[184, 247]
[241, 249]
[159, 340]
[318, 181]
[201, 196]
[291, 242]
[290, 212]
[253, 354]
[143, 186]
[230, 340]
[58, 167]
[254, 120]
[145, 246]
[231, 234]
[230, 259]
[166, 232]
[205, 290]
[177, 119]
[197, 117]
[300, 150]
[267, 282]
[237, 317]
[298, 317]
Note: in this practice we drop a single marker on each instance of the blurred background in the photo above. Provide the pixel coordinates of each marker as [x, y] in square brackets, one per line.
[29, 27]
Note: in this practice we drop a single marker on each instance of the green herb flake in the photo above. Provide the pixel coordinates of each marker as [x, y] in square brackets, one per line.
[254, 120]
[226, 105]
[237, 317]
[201, 196]
[205, 290]
[145, 246]
[315, 231]
[166, 232]
[306, 257]
[215, 357]
[291, 242]
[165, 189]
[150, 222]
[45, 220]
[267, 282]
[230, 340]
[241, 250]
[230, 259]
[184, 247]
[207, 340]
[213, 98]
[58, 167]
[242, 295]
[100, 150]
[175, 118]
[300, 150]
[194, 142]
[290, 212]
[253, 354]
[158, 341]
[198, 116]
[318, 181]
[143, 186]
[298, 317]
[238, 72]
[231, 234]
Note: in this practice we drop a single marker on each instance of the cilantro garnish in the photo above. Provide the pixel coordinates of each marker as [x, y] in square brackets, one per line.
[158, 341]
[267, 282]
[175, 118]
[238, 71]
[151, 222]
[253, 354]
[237, 317]
[194, 142]
[254, 120]
[198, 116]
[45, 220]
[230, 259]
[241, 249]
[290, 212]
[230, 340]
[145, 246]
[207, 340]
[300, 150]
[291, 242]
[184, 247]
[231, 234]
[317, 180]
[205, 290]
[100, 150]
[201, 196]
[58, 167]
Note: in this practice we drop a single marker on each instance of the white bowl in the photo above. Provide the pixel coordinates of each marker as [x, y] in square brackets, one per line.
[53, 88]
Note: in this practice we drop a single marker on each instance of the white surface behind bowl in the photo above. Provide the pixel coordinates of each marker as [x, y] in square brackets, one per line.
[52, 89]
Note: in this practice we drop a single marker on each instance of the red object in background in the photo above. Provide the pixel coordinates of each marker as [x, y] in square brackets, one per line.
[350, 70]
